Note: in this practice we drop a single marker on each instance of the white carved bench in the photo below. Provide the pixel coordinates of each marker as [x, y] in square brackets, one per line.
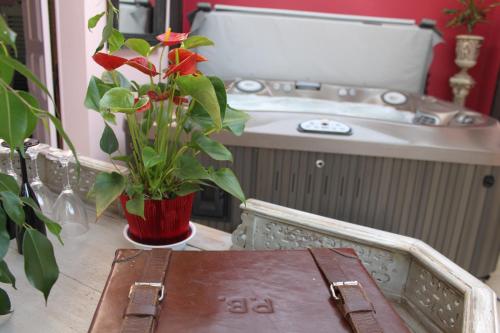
[431, 293]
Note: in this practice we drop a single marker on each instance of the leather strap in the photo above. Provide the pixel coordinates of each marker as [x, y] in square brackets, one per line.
[349, 295]
[146, 294]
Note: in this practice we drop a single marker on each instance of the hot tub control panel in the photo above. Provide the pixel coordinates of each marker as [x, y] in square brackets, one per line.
[324, 126]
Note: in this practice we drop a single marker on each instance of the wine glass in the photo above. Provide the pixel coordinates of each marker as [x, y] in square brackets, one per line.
[42, 192]
[9, 169]
[69, 210]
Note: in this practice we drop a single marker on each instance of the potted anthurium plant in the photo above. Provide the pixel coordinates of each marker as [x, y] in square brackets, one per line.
[170, 120]
[19, 115]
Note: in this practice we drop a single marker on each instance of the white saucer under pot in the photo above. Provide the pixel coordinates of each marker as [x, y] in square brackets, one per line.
[179, 246]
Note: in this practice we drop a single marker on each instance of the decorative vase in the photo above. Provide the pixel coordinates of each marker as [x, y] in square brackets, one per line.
[165, 221]
[467, 51]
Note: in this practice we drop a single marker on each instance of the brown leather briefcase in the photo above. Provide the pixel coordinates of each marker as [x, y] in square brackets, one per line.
[315, 290]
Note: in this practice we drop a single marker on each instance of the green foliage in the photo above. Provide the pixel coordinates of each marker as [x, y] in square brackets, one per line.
[212, 148]
[472, 13]
[13, 206]
[94, 20]
[170, 119]
[117, 100]
[5, 305]
[200, 88]
[138, 45]
[5, 274]
[19, 114]
[115, 41]
[107, 187]
[226, 180]
[109, 142]
[18, 121]
[39, 261]
[8, 183]
[196, 41]
[136, 205]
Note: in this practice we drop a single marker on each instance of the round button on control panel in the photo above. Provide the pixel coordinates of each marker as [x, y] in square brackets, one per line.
[394, 98]
[249, 86]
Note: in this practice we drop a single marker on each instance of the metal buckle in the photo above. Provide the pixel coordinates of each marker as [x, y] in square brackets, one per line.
[158, 285]
[335, 285]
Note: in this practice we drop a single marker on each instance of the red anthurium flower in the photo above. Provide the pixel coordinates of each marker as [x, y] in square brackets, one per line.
[172, 38]
[143, 108]
[183, 54]
[179, 100]
[154, 96]
[108, 61]
[187, 62]
[185, 67]
[143, 65]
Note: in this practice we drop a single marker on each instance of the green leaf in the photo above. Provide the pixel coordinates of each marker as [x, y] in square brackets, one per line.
[212, 148]
[6, 73]
[136, 205]
[33, 119]
[226, 180]
[95, 90]
[123, 158]
[109, 142]
[117, 100]
[234, 120]
[5, 275]
[138, 45]
[107, 77]
[115, 41]
[17, 121]
[13, 207]
[107, 30]
[196, 41]
[220, 92]
[107, 187]
[8, 183]
[7, 35]
[92, 22]
[4, 234]
[189, 168]
[108, 117]
[39, 261]
[200, 88]
[150, 158]
[5, 306]
[187, 188]
[54, 227]
[24, 71]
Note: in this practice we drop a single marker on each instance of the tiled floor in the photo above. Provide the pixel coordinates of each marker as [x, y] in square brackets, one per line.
[494, 283]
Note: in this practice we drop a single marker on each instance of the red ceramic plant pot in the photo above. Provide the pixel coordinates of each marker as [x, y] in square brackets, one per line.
[166, 221]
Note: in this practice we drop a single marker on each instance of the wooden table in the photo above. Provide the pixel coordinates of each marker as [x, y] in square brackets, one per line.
[84, 265]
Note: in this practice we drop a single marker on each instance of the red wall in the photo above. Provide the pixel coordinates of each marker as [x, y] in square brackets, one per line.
[485, 72]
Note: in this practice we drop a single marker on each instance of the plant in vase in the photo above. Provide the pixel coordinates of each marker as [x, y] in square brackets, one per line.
[20, 214]
[472, 13]
[170, 120]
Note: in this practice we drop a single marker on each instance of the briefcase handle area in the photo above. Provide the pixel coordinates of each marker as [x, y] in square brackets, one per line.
[145, 296]
[349, 296]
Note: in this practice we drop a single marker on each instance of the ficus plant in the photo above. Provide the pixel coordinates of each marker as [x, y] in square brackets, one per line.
[19, 115]
[472, 13]
[170, 118]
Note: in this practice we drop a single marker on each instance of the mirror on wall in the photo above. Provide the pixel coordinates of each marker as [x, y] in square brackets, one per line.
[147, 18]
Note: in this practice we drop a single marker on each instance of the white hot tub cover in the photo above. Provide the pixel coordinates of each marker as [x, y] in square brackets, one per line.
[339, 49]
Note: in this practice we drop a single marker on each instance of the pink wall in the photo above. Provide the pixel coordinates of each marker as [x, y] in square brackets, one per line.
[485, 73]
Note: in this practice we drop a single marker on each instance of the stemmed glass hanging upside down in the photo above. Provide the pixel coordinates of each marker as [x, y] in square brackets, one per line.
[69, 210]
